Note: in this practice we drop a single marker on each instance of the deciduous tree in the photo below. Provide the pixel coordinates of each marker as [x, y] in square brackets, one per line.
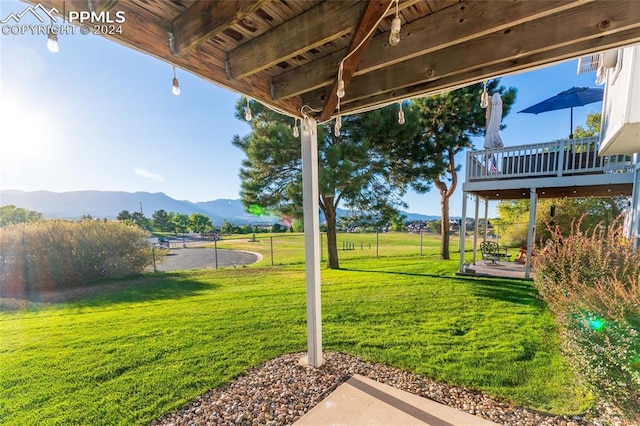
[199, 222]
[11, 214]
[227, 227]
[181, 222]
[514, 216]
[592, 126]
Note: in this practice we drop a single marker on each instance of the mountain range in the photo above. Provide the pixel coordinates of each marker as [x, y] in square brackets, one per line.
[107, 204]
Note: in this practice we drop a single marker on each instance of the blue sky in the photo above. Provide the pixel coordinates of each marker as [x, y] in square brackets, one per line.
[99, 116]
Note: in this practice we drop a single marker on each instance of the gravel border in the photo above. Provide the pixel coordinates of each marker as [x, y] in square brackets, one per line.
[280, 391]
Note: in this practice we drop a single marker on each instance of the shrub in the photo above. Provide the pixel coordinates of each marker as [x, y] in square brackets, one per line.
[515, 235]
[61, 254]
[592, 282]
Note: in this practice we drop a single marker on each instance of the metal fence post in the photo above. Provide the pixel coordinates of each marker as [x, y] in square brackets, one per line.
[271, 251]
[215, 245]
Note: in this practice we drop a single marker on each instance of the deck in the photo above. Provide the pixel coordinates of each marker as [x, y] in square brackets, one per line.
[500, 269]
[562, 168]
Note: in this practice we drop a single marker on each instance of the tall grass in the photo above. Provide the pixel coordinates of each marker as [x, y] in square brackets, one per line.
[58, 254]
[592, 282]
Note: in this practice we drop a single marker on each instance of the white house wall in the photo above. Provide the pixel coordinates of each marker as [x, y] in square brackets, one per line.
[620, 127]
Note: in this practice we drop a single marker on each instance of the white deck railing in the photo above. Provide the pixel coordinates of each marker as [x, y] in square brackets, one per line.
[558, 158]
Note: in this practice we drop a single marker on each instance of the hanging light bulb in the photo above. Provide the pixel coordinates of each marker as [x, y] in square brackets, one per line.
[247, 112]
[52, 42]
[176, 86]
[338, 126]
[394, 36]
[400, 114]
[340, 92]
[305, 126]
[484, 98]
[296, 133]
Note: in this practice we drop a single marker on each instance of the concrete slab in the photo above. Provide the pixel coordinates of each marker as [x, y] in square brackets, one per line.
[362, 401]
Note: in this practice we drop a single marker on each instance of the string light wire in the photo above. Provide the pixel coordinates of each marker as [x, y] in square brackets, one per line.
[340, 92]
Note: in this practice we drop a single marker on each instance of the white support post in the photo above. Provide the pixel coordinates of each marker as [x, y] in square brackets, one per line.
[533, 201]
[635, 204]
[310, 205]
[475, 230]
[463, 222]
[486, 218]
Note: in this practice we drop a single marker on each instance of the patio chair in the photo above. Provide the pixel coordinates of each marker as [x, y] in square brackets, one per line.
[492, 252]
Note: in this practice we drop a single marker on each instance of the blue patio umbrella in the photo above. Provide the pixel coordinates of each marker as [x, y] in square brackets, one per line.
[574, 97]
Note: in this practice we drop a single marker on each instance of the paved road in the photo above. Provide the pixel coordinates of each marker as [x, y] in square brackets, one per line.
[205, 258]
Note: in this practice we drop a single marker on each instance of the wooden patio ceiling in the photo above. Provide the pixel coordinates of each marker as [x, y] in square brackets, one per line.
[285, 53]
[569, 191]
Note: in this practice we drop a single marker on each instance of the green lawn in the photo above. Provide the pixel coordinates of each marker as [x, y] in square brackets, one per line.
[288, 248]
[130, 356]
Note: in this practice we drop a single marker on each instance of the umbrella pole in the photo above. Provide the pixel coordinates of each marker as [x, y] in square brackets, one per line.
[571, 124]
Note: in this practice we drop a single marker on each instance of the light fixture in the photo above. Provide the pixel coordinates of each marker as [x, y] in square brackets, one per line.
[296, 132]
[305, 126]
[176, 86]
[52, 41]
[247, 112]
[394, 36]
[340, 92]
[400, 114]
[484, 98]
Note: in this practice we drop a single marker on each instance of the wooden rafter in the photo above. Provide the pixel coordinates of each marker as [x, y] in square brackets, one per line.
[105, 5]
[469, 21]
[357, 48]
[315, 27]
[145, 32]
[512, 44]
[483, 72]
[205, 19]
[286, 53]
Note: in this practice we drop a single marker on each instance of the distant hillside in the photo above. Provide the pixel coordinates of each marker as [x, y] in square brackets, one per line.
[99, 204]
[107, 204]
[233, 211]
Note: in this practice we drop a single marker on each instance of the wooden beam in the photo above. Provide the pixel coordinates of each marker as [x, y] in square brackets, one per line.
[315, 27]
[594, 22]
[147, 33]
[509, 66]
[205, 19]
[105, 5]
[357, 48]
[453, 25]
